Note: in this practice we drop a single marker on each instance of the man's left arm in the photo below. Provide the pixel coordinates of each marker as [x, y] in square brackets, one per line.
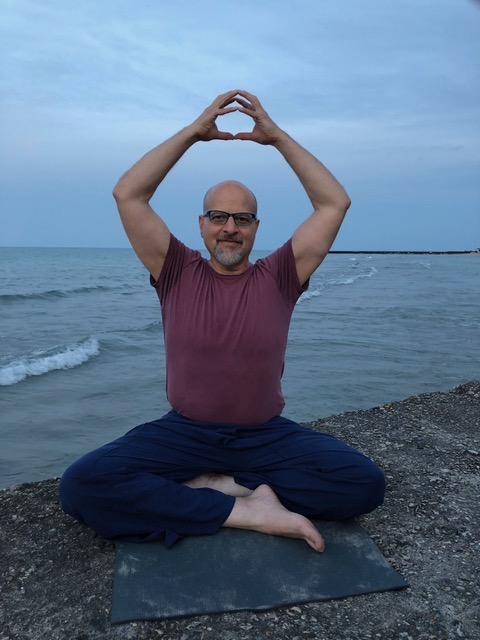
[312, 240]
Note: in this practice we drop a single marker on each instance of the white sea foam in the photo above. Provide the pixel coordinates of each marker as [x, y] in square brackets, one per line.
[351, 279]
[40, 362]
[309, 294]
[338, 280]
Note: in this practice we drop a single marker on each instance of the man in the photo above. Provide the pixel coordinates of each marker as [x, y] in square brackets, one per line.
[224, 456]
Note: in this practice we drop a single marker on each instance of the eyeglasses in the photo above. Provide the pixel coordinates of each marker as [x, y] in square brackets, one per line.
[221, 217]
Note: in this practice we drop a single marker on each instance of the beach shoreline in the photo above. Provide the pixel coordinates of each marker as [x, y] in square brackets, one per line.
[57, 575]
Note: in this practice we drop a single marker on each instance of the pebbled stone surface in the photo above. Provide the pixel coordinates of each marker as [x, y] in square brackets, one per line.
[56, 575]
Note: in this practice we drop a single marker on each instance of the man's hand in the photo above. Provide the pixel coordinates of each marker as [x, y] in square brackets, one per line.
[205, 126]
[265, 130]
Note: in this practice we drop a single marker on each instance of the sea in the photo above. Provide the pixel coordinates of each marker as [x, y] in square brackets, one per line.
[82, 357]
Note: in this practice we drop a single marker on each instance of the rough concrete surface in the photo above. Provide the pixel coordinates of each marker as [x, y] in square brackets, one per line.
[57, 575]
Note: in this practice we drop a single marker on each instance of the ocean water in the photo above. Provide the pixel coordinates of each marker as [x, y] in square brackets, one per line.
[82, 358]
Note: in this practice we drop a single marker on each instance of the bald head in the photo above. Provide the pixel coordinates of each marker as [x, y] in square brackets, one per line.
[230, 195]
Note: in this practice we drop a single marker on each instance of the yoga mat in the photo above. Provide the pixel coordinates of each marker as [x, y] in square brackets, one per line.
[237, 570]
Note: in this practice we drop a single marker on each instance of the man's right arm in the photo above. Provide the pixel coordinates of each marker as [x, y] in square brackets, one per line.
[147, 232]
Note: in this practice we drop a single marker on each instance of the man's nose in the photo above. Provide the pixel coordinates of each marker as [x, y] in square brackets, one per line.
[230, 225]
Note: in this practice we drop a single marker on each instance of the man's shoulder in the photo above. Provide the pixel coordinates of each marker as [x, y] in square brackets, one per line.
[177, 247]
[283, 253]
[280, 264]
[178, 258]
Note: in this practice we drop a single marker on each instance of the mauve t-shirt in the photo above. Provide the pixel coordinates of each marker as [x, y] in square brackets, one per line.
[226, 335]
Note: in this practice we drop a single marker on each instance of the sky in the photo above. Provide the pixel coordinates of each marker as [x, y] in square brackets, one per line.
[385, 94]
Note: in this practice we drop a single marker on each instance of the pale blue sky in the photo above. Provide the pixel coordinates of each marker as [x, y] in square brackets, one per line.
[386, 94]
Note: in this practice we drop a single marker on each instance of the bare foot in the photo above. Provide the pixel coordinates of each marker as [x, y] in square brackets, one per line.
[262, 511]
[219, 482]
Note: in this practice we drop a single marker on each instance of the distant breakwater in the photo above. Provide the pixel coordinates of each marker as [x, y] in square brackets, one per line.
[411, 253]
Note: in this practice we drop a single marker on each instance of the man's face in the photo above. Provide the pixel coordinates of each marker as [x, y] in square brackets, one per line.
[229, 245]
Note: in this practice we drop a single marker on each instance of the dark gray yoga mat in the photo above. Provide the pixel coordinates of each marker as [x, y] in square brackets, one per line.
[238, 570]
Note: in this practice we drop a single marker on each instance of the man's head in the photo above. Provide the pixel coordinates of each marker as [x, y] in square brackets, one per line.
[229, 244]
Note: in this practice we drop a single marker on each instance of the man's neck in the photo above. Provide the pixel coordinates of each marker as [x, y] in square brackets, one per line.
[230, 270]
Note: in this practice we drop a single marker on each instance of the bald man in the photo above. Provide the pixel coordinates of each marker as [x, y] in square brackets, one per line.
[224, 456]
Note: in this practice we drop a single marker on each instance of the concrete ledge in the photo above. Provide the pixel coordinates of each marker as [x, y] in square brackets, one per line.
[57, 575]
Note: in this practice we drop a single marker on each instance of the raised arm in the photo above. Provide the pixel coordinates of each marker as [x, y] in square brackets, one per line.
[147, 232]
[314, 237]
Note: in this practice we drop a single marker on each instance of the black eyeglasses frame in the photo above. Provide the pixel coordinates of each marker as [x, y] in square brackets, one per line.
[252, 216]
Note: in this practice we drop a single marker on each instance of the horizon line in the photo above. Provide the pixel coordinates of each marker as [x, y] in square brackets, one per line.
[332, 251]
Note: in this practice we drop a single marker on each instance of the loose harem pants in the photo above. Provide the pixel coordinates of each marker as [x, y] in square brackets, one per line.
[131, 489]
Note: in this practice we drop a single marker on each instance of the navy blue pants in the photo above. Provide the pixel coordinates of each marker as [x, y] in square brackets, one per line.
[132, 489]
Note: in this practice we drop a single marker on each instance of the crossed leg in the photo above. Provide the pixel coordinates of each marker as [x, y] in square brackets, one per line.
[219, 482]
[152, 483]
[259, 510]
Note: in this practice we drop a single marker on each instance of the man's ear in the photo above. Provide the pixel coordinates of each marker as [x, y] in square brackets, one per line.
[201, 222]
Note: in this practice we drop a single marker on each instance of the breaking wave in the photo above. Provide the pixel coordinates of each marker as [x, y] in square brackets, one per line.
[337, 280]
[309, 294]
[351, 279]
[52, 294]
[40, 362]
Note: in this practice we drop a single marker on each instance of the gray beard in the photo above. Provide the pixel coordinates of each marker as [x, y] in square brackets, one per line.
[229, 258]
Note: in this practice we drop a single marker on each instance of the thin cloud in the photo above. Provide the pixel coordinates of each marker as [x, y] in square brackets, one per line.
[374, 89]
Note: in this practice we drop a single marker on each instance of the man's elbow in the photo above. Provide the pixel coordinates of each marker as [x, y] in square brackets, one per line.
[339, 201]
[340, 207]
[125, 191]
[119, 191]
[345, 203]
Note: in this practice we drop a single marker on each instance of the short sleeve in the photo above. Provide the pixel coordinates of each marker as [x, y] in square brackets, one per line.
[177, 258]
[281, 263]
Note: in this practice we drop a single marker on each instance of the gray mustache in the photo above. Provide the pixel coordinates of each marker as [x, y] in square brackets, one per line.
[230, 238]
